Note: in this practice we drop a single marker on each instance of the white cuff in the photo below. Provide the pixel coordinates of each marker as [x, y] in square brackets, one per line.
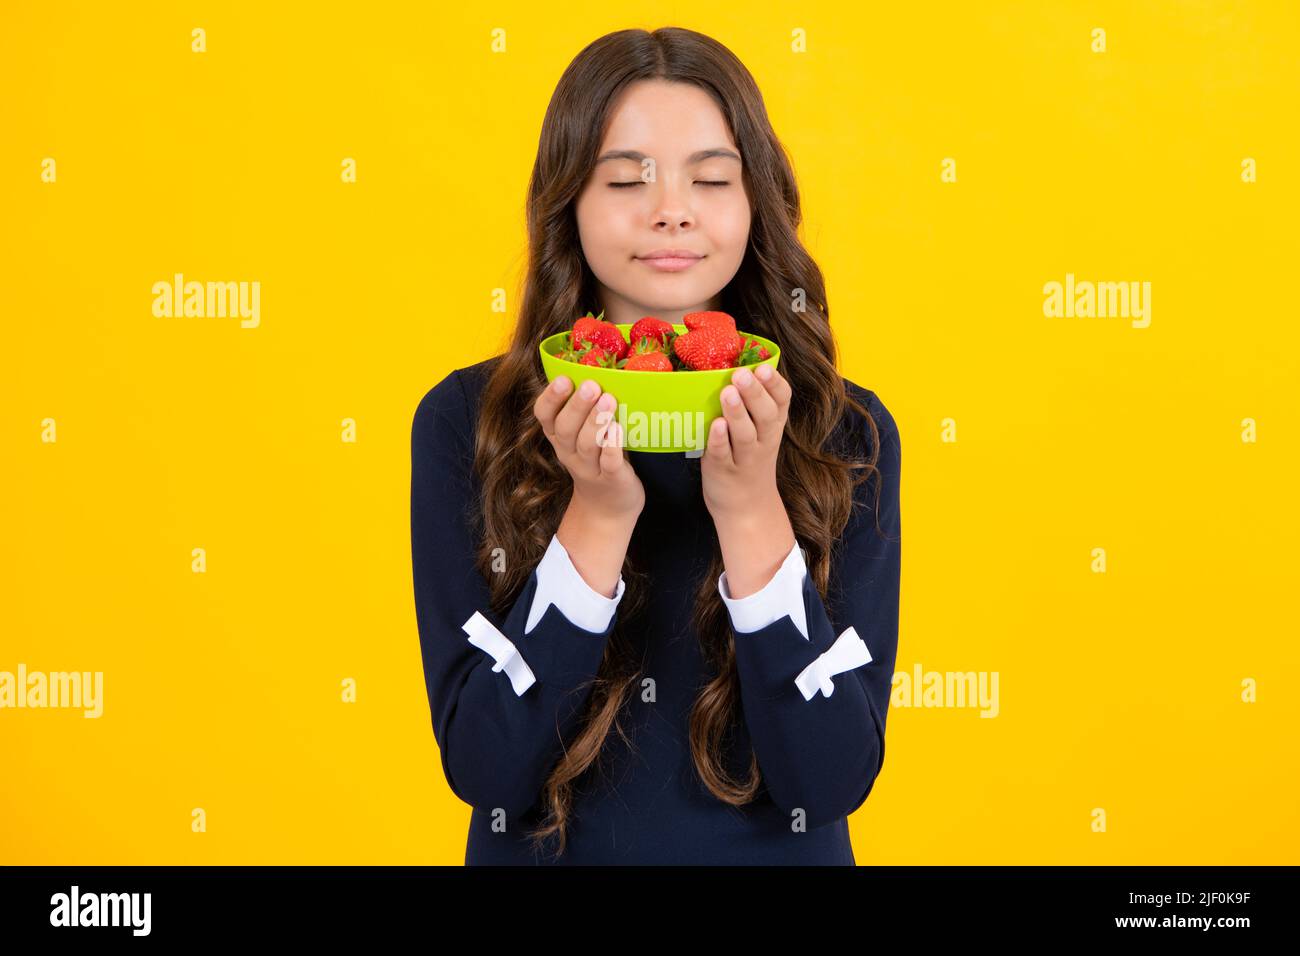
[780, 596]
[559, 583]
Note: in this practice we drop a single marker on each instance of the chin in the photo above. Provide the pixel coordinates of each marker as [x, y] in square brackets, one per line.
[652, 305]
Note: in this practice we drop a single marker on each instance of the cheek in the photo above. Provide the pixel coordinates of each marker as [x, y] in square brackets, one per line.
[614, 220]
[600, 231]
[731, 230]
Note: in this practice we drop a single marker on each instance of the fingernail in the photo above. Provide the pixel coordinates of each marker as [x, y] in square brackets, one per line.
[561, 385]
[743, 377]
[764, 372]
[589, 388]
[606, 402]
[731, 397]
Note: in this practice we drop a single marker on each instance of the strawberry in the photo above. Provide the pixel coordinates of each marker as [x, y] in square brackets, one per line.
[572, 351]
[646, 345]
[697, 320]
[582, 328]
[654, 361]
[595, 355]
[656, 330]
[605, 334]
[708, 347]
[751, 352]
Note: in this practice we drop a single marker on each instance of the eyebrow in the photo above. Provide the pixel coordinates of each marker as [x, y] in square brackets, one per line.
[696, 157]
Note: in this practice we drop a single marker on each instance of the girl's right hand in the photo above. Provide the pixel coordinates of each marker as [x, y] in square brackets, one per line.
[588, 442]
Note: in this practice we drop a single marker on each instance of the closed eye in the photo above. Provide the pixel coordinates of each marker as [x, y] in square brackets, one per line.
[641, 182]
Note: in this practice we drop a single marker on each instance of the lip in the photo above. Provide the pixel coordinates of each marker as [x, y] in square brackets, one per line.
[670, 260]
[671, 254]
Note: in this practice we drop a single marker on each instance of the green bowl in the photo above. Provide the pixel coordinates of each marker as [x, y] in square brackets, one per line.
[658, 411]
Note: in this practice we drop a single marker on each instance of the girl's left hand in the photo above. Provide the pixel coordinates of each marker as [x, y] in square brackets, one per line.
[738, 467]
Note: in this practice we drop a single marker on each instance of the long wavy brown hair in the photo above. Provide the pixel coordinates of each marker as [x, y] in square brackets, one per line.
[777, 292]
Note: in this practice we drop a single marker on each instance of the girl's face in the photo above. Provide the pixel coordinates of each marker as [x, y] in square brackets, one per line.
[667, 178]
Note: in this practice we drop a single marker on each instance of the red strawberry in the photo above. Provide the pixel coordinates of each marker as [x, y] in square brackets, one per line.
[604, 334]
[572, 351]
[697, 320]
[657, 330]
[752, 352]
[646, 345]
[595, 355]
[582, 328]
[649, 362]
[708, 347]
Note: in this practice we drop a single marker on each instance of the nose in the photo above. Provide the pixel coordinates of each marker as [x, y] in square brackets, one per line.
[674, 208]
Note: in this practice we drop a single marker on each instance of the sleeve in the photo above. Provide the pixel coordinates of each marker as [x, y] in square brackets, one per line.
[504, 699]
[815, 702]
[780, 596]
[559, 583]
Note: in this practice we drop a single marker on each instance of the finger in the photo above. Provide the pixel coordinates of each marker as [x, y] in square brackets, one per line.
[776, 386]
[549, 403]
[611, 452]
[762, 407]
[569, 422]
[595, 427]
[740, 426]
[718, 449]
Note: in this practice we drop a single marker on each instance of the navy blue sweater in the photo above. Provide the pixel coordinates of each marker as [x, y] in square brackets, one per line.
[819, 757]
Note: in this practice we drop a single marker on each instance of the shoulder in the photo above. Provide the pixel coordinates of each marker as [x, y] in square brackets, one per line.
[878, 496]
[886, 427]
[474, 379]
[451, 406]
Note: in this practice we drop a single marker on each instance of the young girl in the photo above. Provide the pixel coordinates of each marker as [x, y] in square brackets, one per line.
[642, 657]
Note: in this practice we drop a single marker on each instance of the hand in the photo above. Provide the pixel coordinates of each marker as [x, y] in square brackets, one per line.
[588, 442]
[738, 468]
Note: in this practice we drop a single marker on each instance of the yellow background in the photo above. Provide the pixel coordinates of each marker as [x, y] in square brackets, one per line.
[1119, 691]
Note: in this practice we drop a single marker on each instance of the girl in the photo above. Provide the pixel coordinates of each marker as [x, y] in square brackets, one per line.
[640, 657]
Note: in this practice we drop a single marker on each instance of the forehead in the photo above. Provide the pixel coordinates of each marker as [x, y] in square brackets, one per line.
[669, 121]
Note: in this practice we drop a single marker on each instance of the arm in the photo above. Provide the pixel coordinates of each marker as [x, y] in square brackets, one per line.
[501, 707]
[823, 753]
